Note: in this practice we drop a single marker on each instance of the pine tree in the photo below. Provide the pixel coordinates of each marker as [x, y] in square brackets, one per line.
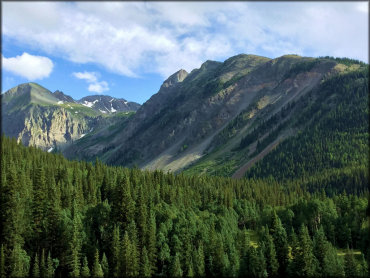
[42, 264]
[116, 249]
[97, 270]
[304, 260]
[350, 266]
[104, 265]
[268, 249]
[362, 267]
[2, 262]
[175, 268]
[200, 263]
[85, 271]
[50, 267]
[36, 267]
[281, 243]
[19, 262]
[145, 264]
[332, 264]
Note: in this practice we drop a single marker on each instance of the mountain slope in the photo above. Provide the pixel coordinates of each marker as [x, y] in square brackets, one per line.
[37, 117]
[208, 110]
[243, 143]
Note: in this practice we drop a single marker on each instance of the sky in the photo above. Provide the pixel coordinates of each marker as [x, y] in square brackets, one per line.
[127, 49]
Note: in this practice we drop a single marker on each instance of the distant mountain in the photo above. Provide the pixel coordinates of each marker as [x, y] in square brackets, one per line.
[62, 97]
[108, 104]
[222, 118]
[37, 117]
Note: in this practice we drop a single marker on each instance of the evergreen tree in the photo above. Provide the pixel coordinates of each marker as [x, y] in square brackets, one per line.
[268, 249]
[19, 262]
[145, 264]
[85, 271]
[42, 264]
[362, 270]
[350, 266]
[36, 267]
[304, 259]
[175, 268]
[2, 262]
[280, 239]
[332, 264]
[50, 267]
[97, 270]
[104, 265]
[116, 243]
[199, 259]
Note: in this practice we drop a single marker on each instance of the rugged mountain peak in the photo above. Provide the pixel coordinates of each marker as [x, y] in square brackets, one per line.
[107, 104]
[63, 97]
[175, 78]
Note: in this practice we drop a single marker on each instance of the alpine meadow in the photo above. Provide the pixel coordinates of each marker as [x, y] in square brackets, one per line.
[242, 166]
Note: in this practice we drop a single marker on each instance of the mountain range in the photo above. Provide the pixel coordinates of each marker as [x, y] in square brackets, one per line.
[38, 117]
[231, 119]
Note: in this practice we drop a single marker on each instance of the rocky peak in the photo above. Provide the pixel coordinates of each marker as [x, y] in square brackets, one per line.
[63, 97]
[175, 78]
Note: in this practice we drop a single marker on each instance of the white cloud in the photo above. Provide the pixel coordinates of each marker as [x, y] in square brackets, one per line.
[98, 87]
[131, 38]
[92, 79]
[88, 76]
[28, 66]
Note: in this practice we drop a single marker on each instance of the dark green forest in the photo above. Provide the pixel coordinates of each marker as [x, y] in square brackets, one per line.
[64, 218]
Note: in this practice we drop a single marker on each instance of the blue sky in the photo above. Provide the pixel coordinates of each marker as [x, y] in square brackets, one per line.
[127, 49]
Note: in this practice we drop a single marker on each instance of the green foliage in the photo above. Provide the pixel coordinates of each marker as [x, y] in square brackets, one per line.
[155, 224]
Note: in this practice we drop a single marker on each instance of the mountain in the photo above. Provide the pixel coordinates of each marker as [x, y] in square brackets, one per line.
[222, 118]
[107, 104]
[38, 117]
[63, 97]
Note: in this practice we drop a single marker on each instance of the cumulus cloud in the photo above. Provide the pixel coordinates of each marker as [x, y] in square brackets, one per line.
[28, 66]
[98, 87]
[132, 38]
[92, 79]
[88, 76]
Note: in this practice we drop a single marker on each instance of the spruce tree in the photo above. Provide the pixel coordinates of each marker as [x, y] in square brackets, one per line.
[104, 265]
[2, 262]
[50, 267]
[97, 271]
[145, 269]
[85, 271]
[19, 262]
[280, 239]
[350, 266]
[199, 259]
[42, 264]
[116, 249]
[175, 267]
[36, 267]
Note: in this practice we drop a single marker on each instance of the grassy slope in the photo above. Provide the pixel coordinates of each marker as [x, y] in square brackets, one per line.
[225, 159]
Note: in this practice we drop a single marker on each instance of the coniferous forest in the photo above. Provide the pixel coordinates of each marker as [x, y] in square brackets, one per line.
[64, 218]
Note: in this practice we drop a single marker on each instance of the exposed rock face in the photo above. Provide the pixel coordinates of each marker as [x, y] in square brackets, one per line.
[50, 127]
[37, 117]
[186, 118]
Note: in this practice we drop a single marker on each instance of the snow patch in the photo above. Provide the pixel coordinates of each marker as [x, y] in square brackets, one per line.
[111, 100]
[112, 109]
[60, 102]
[103, 111]
[49, 150]
[76, 112]
[125, 102]
[89, 104]
[82, 135]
